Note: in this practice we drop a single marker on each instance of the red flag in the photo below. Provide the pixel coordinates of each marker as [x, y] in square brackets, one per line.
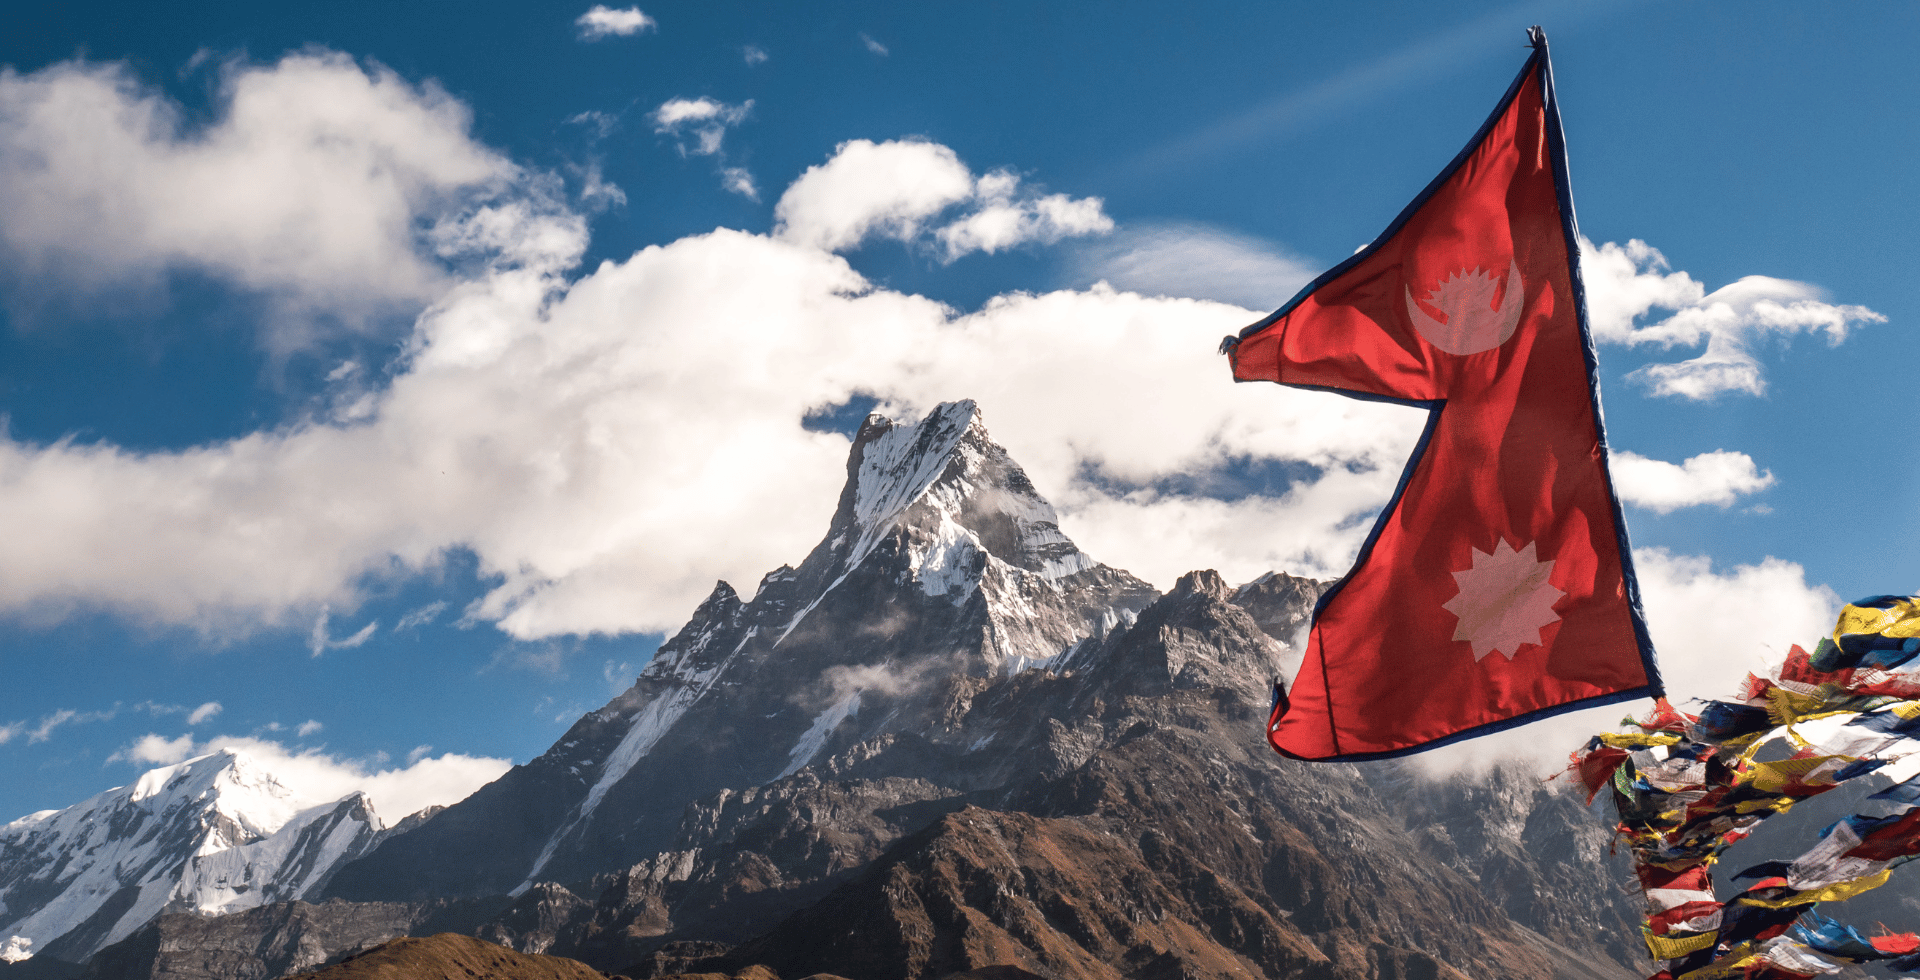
[1497, 587]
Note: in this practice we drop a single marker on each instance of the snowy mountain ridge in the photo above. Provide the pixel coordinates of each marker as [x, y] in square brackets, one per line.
[215, 834]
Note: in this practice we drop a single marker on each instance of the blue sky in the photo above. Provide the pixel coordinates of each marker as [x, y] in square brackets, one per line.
[266, 270]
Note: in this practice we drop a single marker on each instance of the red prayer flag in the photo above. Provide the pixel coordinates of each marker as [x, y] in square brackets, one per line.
[1497, 586]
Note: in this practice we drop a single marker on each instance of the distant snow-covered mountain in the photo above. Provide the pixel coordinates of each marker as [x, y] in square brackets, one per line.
[215, 834]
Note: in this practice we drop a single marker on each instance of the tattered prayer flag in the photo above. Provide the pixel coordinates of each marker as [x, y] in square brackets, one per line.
[1497, 586]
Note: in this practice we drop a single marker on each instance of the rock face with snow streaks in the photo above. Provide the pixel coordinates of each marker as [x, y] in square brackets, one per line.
[941, 563]
[211, 835]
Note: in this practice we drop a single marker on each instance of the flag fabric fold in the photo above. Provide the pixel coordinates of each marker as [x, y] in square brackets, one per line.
[1497, 586]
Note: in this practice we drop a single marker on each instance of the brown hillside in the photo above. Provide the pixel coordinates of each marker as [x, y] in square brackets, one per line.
[450, 956]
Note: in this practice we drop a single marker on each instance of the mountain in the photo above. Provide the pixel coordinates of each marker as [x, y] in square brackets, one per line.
[941, 569]
[949, 743]
[214, 834]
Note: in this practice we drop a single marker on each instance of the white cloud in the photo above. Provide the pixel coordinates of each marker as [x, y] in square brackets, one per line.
[307, 728]
[706, 121]
[63, 717]
[1000, 221]
[895, 190]
[153, 750]
[754, 54]
[421, 616]
[604, 22]
[872, 45]
[1626, 282]
[1719, 478]
[738, 181]
[203, 712]
[1186, 259]
[318, 777]
[602, 124]
[311, 187]
[869, 188]
[319, 640]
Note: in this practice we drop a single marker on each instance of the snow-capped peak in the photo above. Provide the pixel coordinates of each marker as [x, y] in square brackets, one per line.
[973, 500]
[217, 833]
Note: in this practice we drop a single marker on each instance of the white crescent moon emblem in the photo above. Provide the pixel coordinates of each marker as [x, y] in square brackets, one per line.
[1471, 327]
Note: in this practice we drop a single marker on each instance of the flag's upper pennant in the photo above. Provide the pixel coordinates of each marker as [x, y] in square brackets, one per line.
[1505, 535]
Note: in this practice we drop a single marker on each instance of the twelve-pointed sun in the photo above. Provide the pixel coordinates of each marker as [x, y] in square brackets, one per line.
[1504, 600]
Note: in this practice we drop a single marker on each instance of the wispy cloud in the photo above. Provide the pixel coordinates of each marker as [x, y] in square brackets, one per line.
[754, 54]
[202, 713]
[320, 640]
[1289, 112]
[421, 616]
[1627, 282]
[699, 128]
[872, 45]
[604, 22]
[1195, 260]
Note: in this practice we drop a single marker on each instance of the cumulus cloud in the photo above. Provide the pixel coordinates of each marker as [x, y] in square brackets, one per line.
[153, 750]
[319, 184]
[1718, 478]
[1204, 262]
[604, 22]
[898, 188]
[753, 54]
[1627, 282]
[316, 777]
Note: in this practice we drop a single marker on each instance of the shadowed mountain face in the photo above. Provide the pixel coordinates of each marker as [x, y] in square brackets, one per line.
[949, 742]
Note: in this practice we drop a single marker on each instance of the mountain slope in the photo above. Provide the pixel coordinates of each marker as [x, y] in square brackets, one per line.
[214, 834]
[941, 561]
[449, 956]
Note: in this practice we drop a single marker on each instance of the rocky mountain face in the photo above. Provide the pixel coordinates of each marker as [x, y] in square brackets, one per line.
[211, 835]
[941, 567]
[947, 744]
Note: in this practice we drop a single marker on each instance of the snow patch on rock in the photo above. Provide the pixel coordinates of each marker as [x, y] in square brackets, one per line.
[815, 737]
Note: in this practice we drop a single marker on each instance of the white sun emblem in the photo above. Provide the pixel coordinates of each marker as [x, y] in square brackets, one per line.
[1470, 323]
[1504, 600]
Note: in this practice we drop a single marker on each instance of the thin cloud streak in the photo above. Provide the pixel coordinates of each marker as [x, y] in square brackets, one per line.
[1290, 112]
